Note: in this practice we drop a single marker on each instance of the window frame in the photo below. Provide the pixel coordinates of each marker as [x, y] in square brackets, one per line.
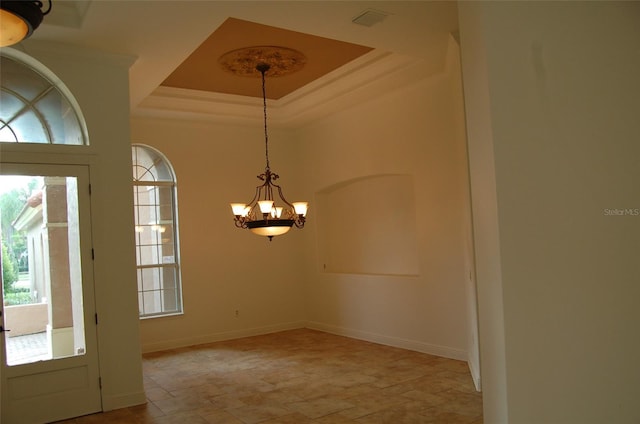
[160, 263]
[30, 106]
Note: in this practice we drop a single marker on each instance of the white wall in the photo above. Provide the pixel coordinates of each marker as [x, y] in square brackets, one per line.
[485, 216]
[454, 74]
[410, 131]
[555, 104]
[225, 269]
[99, 82]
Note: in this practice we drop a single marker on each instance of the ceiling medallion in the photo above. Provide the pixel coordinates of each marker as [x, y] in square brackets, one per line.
[281, 60]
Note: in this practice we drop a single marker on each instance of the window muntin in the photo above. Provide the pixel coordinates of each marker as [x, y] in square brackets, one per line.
[34, 108]
[151, 165]
[157, 259]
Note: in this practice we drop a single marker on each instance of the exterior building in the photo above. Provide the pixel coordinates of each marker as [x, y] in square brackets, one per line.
[53, 248]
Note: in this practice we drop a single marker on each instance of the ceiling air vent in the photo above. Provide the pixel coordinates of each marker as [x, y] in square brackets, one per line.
[370, 17]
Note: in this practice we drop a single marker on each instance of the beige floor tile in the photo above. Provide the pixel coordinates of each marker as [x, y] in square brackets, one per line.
[371, 403]
[300, 377]
[252, 414]
[181, 418]
[319, 407]
[220, 417]
[174, 405]
[392, 416]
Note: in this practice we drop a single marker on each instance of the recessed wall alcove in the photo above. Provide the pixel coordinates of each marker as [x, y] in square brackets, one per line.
[367, 226]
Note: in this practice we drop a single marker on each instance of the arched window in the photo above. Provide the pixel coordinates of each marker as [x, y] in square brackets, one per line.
[157, 249]
[36, 107]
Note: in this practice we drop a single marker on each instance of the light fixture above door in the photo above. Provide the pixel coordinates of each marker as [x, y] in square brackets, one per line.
[18, 20]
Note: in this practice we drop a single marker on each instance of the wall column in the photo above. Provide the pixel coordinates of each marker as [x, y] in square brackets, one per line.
[56, 246]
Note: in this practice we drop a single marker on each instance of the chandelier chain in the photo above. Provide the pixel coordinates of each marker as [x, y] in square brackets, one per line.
[266, 135]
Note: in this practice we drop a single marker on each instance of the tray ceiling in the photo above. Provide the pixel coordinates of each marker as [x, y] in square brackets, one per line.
[201, 70]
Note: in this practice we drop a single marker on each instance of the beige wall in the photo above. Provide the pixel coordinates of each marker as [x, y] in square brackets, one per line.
[485, 216]
[411, 131]
[225, 269]
[552, 95]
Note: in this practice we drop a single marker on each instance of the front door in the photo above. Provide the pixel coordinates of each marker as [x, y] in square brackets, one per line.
[48, 344]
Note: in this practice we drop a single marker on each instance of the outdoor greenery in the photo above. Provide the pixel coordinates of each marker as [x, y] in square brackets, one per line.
[9, 274]
[18, 297]
[14, 248]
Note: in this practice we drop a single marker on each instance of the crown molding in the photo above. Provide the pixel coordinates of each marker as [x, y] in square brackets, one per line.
[179, 103]
[362, 79]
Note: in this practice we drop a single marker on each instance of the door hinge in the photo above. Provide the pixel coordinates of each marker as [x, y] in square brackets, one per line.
[93, 254]
[96, 316]
[89, 189]
[100, 382]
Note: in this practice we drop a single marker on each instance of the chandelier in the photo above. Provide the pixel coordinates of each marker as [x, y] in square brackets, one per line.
[18, 20]
[269, 213]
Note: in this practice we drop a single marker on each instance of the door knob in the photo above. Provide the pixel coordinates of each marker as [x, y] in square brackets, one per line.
[2, 330]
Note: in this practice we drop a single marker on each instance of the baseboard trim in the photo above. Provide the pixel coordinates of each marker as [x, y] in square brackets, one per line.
[443, 351]
[110, 403]
[475, 375]
[217, 337]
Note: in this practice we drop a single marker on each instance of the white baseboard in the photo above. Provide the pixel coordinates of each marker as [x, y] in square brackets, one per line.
[122, 401]
[475, 375]
[217, 337]
[443, 351]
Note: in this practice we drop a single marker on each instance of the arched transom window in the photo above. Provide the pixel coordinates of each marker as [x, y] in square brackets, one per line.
[157, 250]
[35, 108]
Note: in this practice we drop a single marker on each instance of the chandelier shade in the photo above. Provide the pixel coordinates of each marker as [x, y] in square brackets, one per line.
[19, 19]
[269, 213]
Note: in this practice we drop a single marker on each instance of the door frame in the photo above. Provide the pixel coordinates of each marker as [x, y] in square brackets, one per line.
[38, 163]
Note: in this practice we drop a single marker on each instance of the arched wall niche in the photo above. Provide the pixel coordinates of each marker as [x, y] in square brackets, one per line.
[367, 225]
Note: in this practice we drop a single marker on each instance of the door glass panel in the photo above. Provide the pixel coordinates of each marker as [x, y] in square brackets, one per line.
[41, 268]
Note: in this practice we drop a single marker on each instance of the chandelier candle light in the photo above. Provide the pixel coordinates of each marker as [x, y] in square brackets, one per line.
[268, 213]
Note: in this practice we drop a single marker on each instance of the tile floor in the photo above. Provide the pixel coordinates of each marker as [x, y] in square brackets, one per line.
[299, 377]
[27, 348]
